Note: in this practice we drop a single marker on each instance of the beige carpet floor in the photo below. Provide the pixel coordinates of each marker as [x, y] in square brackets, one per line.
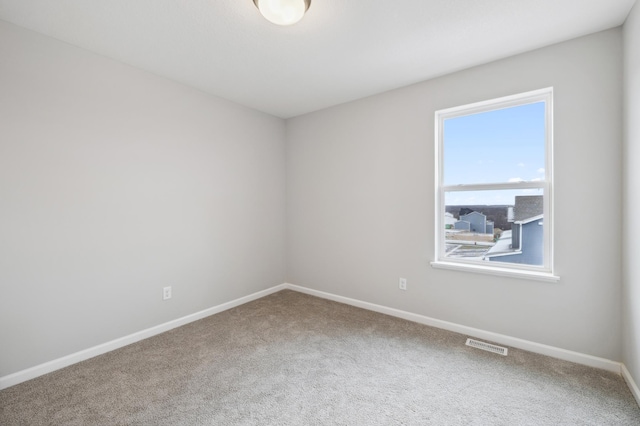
[293, 359]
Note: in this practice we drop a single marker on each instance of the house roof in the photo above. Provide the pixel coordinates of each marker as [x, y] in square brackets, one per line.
[502, 246]
[527, 206]
[472, 213]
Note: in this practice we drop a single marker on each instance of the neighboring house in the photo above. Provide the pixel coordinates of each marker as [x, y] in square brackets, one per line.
[477, 222]
[524, 243]
[462, 225]
[449, 220]
[489, 227]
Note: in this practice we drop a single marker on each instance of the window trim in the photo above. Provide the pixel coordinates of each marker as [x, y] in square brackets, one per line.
[544, 272]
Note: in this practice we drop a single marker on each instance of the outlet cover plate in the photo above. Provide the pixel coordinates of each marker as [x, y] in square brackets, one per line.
[166, 293]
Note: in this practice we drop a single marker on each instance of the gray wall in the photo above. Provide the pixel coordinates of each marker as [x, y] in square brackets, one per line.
[631, 296]
[360, 200]
[114, 183]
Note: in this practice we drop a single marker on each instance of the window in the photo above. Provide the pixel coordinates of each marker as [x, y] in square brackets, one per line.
[494, 186]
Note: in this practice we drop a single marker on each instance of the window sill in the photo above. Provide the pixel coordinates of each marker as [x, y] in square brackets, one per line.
[492, 270]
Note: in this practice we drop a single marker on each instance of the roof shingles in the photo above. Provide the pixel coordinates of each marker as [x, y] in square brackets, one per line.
[527, 206]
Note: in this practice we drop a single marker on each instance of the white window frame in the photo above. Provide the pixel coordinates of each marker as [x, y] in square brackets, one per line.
[544, 272]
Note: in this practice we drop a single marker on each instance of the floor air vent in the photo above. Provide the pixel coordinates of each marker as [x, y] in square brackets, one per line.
[487, 347]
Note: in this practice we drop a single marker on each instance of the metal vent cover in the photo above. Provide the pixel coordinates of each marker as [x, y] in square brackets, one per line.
[487, 347]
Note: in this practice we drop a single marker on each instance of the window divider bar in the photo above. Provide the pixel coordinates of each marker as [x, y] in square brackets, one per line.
[495, 186]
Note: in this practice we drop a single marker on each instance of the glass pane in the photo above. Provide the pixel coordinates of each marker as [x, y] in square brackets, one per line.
[504, 226]
[505, 145]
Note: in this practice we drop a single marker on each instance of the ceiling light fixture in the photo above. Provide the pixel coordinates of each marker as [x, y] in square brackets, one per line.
[283, 12]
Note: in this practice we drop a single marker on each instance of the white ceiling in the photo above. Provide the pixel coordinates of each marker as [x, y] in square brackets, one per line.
[342, 49]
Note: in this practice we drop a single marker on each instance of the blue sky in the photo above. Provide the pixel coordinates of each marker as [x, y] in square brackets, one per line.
[497, 146]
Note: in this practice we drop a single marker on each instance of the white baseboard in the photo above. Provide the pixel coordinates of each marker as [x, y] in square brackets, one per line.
[551, 351]
[579, 358]
[56, 364]
[631, 383]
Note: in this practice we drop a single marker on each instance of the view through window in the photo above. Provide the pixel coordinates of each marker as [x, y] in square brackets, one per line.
[494, 182]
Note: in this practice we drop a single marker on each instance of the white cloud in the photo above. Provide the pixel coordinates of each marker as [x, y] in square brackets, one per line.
[536, 180]
[515, 180]
[541, 170]
[520, 164]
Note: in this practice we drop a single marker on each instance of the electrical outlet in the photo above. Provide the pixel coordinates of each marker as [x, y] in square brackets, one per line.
[403, 284]
[166, 293]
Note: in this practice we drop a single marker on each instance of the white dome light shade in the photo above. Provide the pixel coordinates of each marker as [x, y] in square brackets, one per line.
[283, 12]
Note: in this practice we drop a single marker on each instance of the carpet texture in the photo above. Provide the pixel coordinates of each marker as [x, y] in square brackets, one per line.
[294, 359]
